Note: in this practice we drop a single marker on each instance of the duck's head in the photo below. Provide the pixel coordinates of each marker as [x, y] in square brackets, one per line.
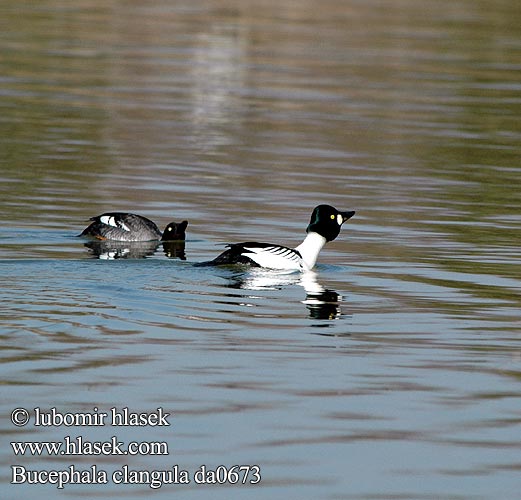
[327, 221]
[175, 231]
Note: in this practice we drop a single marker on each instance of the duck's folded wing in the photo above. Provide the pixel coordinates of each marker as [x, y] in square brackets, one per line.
[114, 220]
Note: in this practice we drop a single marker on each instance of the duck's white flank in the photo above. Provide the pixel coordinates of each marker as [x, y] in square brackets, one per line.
[274, 257]
[310, 248]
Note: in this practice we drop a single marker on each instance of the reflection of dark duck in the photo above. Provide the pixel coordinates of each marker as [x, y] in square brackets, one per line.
[324, 226]
[111, 250]
[174, 249]
[119, 226]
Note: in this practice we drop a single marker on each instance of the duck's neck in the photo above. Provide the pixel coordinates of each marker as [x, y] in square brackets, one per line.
[310, 248]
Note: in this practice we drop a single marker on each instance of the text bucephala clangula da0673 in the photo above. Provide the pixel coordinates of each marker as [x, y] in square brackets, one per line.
[324, 226]
[119, 226]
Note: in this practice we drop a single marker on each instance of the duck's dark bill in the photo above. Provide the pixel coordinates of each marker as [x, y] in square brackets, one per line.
[347, 215]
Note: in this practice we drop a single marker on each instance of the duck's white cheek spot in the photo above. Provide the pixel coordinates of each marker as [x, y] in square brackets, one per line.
[339, 219]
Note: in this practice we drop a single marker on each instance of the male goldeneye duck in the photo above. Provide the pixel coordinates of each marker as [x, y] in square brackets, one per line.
[324, 226]
[118, 226]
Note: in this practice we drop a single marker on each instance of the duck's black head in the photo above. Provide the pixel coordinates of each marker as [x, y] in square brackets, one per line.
[327, 221]
[175, 231]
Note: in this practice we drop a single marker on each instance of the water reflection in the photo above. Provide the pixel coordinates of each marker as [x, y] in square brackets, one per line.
[174, 249]
[322, 303]
[111, 250]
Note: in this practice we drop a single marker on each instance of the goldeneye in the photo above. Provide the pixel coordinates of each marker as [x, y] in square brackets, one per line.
[324, 226]
[118, 226]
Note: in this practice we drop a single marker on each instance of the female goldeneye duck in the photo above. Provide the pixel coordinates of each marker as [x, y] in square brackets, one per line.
[118, 226]
[324, 226]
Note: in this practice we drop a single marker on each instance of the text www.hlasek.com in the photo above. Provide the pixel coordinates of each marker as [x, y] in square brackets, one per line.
[78, 446]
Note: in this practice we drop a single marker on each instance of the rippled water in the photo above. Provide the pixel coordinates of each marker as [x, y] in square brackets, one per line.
[391, 371]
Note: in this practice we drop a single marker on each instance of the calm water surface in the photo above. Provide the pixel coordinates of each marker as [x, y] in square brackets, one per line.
[394, 369]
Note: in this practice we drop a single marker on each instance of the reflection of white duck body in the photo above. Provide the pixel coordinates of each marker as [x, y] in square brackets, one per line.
[321, 302]
[263, 279]
[269, 279]
[316, 294]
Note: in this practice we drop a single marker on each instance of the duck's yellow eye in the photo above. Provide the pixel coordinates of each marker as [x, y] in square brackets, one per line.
[333, 217]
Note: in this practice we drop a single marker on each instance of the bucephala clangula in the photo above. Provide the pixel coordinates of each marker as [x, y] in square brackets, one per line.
[119, 226]
[324, 226]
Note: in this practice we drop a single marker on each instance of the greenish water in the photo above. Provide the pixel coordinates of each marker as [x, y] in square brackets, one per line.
[403, 381]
